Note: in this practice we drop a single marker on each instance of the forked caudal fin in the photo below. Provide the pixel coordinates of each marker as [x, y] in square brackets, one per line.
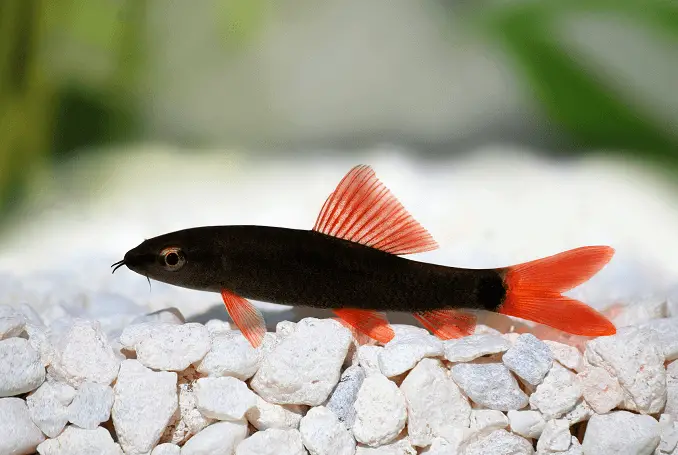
[533, 291]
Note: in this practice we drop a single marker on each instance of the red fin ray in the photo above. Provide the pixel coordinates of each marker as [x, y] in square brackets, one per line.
[447, 324]
[367, 322]
[534, 288]
[361, 209]
[246, 316]
[560, 272]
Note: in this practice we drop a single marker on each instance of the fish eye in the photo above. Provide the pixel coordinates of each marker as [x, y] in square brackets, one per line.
[172, 259]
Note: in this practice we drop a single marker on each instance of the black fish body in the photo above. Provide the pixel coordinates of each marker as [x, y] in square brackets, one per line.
[351, 263]
[308, 268]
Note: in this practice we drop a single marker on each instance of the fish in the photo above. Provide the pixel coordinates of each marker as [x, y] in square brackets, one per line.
[352, 263]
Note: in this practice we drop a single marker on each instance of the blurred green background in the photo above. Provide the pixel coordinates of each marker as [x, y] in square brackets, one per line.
[292, 78]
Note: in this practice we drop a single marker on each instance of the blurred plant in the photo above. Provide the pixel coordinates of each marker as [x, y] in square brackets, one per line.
[574, 98]
[68, 79]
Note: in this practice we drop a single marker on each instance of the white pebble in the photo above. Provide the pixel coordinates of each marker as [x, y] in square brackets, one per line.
[323, 434]
[528, 424]
[187, 421]
[668, 435]
[471, 347]
[581, 412]
[405, 350]
[265, 415]
[666, 330]
[653, 307]
[529, 358]
[12, 322]
[435, 405]
[556, 437]
[380, 411]
[18, 433]
[442, 446]
[621, 433]
[500, 442]
[557, 394]
[568, 356]
[231, 355]
[83, 442]
[144, 403]
[672, 388]
[21, 369]
[343, 396]
[91, 405]
[399, 447]
[488, 420]
[224, 398]
[368, 358]
[285, 328]
[217, 326]
[600, 390]
[167, 346]
[634, 357]
[220, 438]
[305, 366]
[272, 442]
[166, 449]
[489, 384]
[40, 341]
[48, 406]
[83, 354]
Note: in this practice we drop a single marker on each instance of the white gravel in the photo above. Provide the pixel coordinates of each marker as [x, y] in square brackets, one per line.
[471, 347]
[402, 353]
[381, 411]
[435, 405]
[220, 438]
[529, 358]
[489, 384]
[230, 354]
[77, 440]
[272, 442]
[623, 433]
[323, 433]
[305, 366]
[635, 357]
[265, 415]
[48, 407]
[303, 395]
[20, 367]
[223, 398]
[144, 403]
[558, 394]
[18, 433]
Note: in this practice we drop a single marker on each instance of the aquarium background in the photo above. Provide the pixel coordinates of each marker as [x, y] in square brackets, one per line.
[510, 129]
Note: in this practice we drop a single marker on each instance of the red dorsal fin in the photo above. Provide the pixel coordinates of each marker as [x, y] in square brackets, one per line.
[361, 209]
[447, 324]
[367, 322]
[246, 316]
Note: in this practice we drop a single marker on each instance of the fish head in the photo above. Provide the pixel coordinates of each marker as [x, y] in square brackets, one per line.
[175, 259]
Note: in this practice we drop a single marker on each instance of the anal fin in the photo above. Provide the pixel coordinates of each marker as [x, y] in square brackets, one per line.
[246, 316]
[367, 322]
[447, 324]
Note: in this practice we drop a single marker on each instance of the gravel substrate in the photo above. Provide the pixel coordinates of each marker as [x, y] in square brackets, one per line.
[165, 386]
[97, 364]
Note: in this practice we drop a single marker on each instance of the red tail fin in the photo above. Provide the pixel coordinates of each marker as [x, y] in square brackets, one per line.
[534, 288]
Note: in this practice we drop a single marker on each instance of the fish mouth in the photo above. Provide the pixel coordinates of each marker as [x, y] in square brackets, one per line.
[117, 265]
